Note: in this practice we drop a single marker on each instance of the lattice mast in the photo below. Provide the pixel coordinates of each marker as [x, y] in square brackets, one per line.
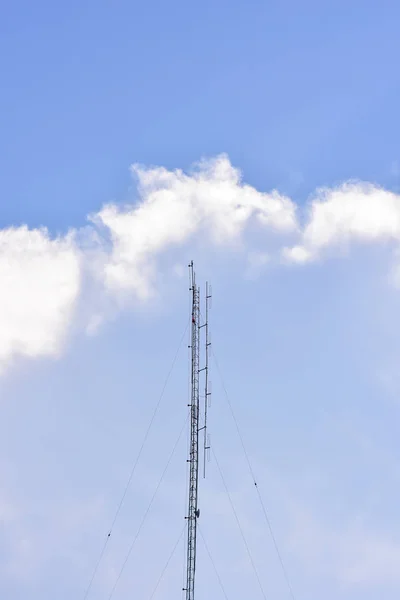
[193, 510]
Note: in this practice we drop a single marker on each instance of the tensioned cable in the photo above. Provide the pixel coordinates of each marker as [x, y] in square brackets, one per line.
[285, 573]
[212, 562]
[167, 563]
[148, 509]
[240, 527]
[146, 435]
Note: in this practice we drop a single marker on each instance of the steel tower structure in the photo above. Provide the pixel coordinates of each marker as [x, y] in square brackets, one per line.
[193, 510]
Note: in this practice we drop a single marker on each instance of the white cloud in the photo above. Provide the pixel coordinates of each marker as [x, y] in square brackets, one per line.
[117, 254]
[39, 282]
[40, 277]
[173, 206]
[352, 212]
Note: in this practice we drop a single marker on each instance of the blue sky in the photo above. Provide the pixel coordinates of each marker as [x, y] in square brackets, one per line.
[135, 137]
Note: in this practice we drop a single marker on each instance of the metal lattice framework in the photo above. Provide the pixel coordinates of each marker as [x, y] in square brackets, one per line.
[193, 511]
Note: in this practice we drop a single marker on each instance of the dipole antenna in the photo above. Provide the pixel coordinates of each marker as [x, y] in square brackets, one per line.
[193, 511]
[207, 391]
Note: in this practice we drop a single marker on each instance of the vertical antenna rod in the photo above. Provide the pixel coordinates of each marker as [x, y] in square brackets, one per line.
[193, 511]
[207, 393]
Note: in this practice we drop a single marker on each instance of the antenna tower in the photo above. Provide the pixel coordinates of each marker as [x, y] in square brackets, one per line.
[193, 510]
